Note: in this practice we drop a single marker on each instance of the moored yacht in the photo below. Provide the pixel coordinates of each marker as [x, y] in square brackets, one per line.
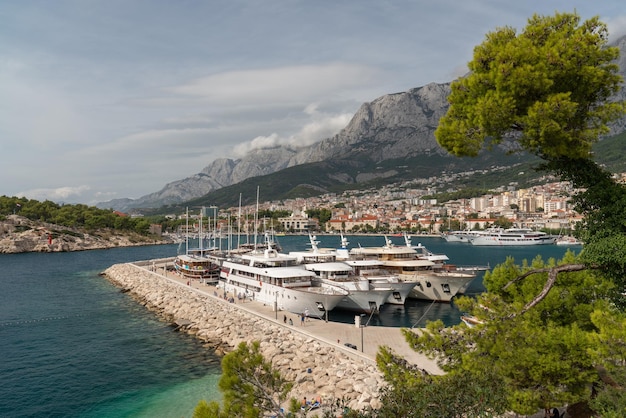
[362, 297]
[431, 283]
[196, 263]
[459, 236]
[198, 266]
[277, 279]
[567, 240]
[512, 236]
[441, 266]
[380, 278]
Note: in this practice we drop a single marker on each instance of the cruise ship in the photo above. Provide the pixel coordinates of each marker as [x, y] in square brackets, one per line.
[459, 236]
[512, 236]
[432, 280]
[278, 280]
[363, 297]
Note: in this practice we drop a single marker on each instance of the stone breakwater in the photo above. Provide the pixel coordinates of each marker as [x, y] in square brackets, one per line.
[317, 368]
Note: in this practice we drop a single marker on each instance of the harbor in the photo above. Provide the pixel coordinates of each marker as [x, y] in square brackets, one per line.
[67, 354]
[317, 352]
[339, 335]
[324, 359]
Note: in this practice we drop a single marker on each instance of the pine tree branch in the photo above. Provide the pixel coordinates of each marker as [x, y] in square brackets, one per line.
[552, 276]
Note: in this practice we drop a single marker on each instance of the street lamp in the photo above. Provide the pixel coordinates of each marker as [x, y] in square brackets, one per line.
[326, 310]
[361, 326]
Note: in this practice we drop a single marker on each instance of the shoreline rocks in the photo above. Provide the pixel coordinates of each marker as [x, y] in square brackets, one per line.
[21, 235]
[315, 367]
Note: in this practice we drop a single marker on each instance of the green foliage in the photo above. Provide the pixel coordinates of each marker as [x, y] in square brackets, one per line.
[72, 216]
[549, 84]
[322, 214]
[610, 354]
[602, 202]
[208, 410]
[503, 222]
[414, 394]
[251, 387]
[544, 357]
[547, 88]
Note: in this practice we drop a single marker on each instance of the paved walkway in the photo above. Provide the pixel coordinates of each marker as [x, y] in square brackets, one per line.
[334, 333]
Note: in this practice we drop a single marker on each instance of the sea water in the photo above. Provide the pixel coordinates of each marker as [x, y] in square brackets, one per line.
[73, 345]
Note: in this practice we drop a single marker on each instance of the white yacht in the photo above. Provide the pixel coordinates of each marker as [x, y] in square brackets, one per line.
[459, 236]
[442, 266]
[363, 297]
[431, 281]
[380, 278]
[278, 279]
[512, 236]
[567, 240]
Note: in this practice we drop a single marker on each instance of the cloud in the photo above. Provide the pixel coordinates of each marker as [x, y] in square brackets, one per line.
[283, 84]
[617, 27]
[322, 126]
[58, 194]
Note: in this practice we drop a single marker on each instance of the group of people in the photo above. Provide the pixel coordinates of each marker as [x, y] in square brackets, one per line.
[308, 405]
[304, 316]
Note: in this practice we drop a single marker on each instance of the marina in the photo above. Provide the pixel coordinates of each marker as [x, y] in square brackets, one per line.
[66, 354]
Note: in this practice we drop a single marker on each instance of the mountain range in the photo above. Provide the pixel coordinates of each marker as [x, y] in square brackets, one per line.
[388, 140]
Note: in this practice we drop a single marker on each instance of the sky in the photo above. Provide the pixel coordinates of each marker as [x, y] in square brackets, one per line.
[107, 99]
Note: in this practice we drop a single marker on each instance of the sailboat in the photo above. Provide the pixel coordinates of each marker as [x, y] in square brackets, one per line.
[195, 264]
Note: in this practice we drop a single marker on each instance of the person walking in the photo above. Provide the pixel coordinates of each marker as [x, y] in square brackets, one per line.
[302, 319]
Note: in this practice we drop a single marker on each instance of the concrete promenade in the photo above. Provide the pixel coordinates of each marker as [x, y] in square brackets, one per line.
[333, 333]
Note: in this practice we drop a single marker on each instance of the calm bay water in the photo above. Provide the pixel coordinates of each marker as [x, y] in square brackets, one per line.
[73, 345]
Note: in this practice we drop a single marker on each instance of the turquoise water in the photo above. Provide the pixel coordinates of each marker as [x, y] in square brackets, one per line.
[73, 345]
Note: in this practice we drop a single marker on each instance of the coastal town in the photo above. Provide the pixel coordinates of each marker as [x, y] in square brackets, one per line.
[395, 208]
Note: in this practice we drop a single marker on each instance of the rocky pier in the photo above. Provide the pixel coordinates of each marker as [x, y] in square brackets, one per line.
[317, 368]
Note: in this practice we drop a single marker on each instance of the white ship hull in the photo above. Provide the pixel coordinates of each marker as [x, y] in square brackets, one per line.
[374, 273]
[367, 301]
[512, 237]
[508, 241]
[361, 297]
[439, 287]
[458, 236]
[274, 280]
[399, 290]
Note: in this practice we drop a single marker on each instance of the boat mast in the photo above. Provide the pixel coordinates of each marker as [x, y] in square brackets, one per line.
[187, 232]
[256, 218]
[200, 237]
[239, 223]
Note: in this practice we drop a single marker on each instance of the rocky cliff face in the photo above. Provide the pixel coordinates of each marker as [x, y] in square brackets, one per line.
[20, 235]
[383, 129]
[392, 126]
